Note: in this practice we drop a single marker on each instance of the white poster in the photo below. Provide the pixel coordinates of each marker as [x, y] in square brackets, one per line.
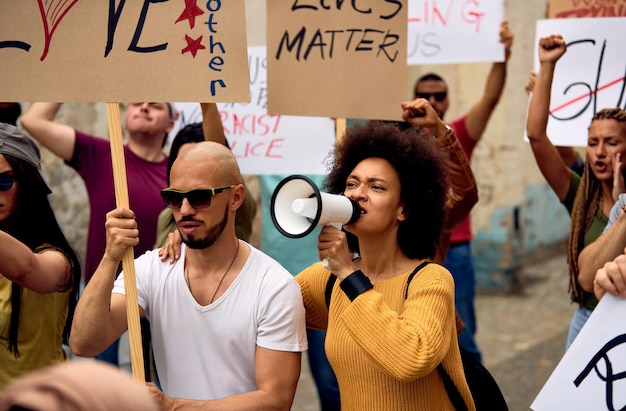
[591, 374]
[588, 78]
[264, 143]
[454, 31]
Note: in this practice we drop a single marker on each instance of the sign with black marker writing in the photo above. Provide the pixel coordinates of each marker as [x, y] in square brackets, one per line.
[588, 77]
[269, 143]
[454, 31]
[336, 58]
[112, 50]
[590, 376]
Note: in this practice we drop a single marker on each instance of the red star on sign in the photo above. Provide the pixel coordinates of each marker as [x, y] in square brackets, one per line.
[193, 45]
[190, 13]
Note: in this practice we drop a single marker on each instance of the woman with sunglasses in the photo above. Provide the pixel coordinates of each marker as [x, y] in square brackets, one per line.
[590, 196]
[39, 271]
[386, 340]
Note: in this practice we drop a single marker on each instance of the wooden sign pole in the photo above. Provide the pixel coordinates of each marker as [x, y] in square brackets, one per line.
[128, 260]
[340, 128]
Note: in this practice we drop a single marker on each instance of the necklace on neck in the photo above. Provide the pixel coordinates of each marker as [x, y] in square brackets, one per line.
[221, 280]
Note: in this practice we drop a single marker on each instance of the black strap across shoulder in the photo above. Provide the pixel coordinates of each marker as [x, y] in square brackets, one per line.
[485, 390]
[333, 279]
[410, 278]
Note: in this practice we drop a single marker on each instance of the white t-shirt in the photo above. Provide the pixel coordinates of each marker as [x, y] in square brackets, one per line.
[208, 352]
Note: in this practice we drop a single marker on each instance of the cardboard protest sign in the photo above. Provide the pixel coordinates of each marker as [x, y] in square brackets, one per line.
[453, 31]
[588, 78]
[99, 50]
[590, 376]
[586, 8]
[269, 143]
[337, 59]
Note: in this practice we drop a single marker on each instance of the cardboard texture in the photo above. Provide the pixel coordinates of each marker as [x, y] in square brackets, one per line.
[338, 61]
[586, 8]
[100, 50]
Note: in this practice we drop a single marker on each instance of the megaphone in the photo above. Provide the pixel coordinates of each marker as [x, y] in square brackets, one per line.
[298, 206]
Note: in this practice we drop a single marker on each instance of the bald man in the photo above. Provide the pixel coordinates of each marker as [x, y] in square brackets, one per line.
[227, 320]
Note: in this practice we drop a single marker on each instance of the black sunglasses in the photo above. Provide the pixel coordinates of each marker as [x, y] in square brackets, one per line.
[6, 181]
[200, 198]
[440, 96]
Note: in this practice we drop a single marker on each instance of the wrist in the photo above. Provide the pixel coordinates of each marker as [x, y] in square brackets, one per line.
[443, 131]
[355, 284]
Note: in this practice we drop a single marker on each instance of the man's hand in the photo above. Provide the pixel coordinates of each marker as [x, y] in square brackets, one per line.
[121, 233]
[165, 403]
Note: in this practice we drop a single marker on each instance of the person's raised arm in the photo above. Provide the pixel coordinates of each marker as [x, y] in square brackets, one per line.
[212, 123]
[45, 272]
[39, 122]
[464, 192]
[551, 165]
[478, 116]
[100, 316]
[568, 153]
[277, 374]
[605, 248]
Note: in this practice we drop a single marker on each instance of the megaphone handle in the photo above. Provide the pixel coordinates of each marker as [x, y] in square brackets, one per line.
[338, 226]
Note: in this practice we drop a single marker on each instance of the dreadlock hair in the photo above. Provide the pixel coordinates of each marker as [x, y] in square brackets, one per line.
[34, 224]
[422, 173]
[586, 205]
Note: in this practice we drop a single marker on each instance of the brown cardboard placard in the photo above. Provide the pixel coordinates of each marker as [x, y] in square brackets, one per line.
[586, 8]
[107, 50]
[337, 59]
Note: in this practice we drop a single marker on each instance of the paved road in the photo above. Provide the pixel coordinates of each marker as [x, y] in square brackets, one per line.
[521, 334]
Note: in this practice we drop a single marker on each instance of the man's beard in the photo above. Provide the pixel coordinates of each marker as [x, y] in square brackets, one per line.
[212, 236]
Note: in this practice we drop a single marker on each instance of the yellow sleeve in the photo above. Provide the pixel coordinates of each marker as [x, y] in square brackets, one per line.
[312, 281]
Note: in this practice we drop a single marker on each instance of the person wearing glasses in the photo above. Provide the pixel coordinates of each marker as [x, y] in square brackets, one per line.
[227, 320]
[39, 271]
[210, 129]
[469, 129]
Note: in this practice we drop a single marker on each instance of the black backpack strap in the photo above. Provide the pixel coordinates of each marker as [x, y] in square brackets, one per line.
[332, 279]
[408, 280]
[453, 392]
[328, 292]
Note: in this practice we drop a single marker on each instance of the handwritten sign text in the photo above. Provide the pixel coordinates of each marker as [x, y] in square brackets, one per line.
[335, 57]
[78, 50]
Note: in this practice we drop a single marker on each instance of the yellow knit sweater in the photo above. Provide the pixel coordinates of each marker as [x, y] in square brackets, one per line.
[384, 349]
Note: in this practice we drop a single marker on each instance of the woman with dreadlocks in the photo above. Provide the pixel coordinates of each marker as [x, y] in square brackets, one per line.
[39, 271]
[589, 197]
